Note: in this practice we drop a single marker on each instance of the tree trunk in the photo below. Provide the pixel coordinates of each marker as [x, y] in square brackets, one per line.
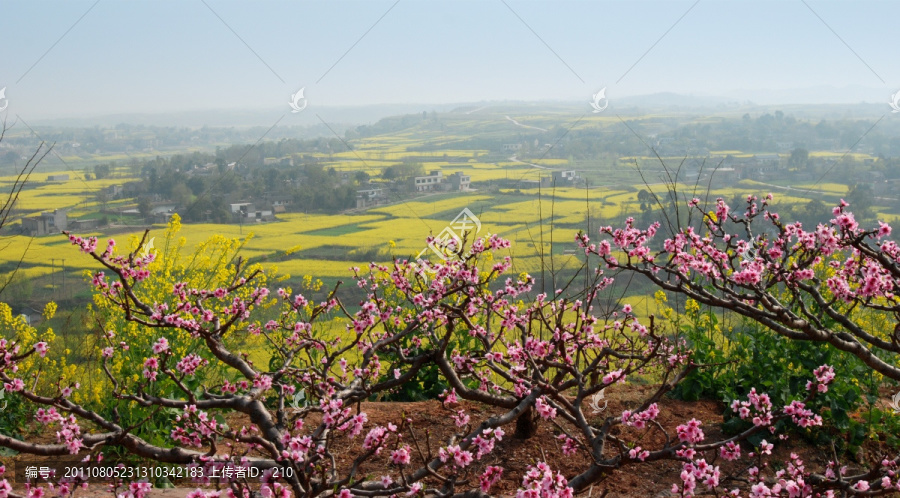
[526, 424]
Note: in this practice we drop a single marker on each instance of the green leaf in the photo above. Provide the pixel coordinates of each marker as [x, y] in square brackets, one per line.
[164, 483]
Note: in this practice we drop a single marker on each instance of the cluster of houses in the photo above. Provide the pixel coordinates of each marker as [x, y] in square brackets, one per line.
[267, 207]
[50, 222]
[434, 181]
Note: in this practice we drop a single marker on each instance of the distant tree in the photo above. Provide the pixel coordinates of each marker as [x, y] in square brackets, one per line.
[814, 212]
[860, 196]
[646, 199]
[144, 206]
[102, 171]
[403, 171]
[182, 195]
[361, 177]
[799, 158]
[196, 184]
[135, 167]
[272, 178]
[765, 121]
[102, 198]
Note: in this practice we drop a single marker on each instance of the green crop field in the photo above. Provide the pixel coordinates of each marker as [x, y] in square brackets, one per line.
[538, 221]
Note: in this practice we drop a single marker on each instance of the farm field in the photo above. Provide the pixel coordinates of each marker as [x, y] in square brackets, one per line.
[540, 222]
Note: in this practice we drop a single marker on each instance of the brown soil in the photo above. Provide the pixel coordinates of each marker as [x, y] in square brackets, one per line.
[432, 427]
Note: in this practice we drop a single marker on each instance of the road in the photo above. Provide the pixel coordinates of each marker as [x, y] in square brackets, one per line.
[515, 159]
[811, 191]
[524, 126]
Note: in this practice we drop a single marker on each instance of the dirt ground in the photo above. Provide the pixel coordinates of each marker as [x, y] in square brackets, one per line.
[433, 424]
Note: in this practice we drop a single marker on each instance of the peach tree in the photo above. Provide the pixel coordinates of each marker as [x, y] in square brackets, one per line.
[299, 420]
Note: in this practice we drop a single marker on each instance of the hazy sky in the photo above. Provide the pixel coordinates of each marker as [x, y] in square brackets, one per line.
[160, 56]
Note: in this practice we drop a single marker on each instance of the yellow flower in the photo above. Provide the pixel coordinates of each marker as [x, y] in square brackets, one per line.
[660, 297]
[49, 310]
[691, 306]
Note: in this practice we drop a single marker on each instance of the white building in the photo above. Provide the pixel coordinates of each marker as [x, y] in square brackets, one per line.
[429, 183]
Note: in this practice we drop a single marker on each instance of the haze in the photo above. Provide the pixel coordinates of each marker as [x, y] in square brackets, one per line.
[163, 57]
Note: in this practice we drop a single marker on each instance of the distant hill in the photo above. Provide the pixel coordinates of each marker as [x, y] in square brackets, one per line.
[249, 117]
[852, 99]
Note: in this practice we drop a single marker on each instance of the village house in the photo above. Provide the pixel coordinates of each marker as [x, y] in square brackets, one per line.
[459, 182]
[430, 182]
[247, 212]
[565, 177]
[436, 181]
[46, 223]
[369, 197]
